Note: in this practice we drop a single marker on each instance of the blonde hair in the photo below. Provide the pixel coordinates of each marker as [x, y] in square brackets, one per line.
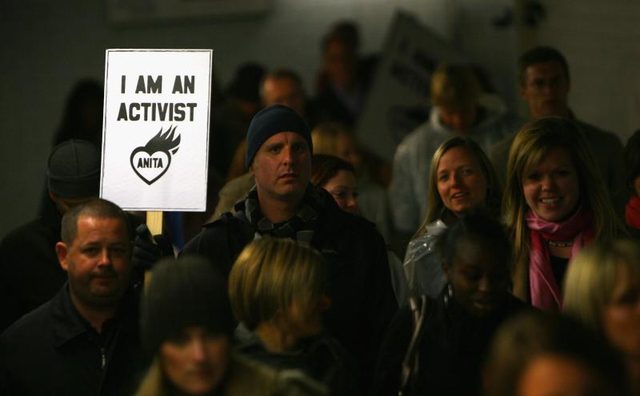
[325, 137]
[531, 144]
[454, 86]
[494, 189]
[592, 277]
[269, 275]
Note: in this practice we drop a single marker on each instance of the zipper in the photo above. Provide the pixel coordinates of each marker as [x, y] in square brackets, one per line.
[103, 356]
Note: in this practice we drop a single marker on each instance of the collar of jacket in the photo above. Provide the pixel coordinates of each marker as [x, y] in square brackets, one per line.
[68, 324]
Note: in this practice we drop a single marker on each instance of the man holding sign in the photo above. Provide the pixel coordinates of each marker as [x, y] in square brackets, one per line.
[284, 204]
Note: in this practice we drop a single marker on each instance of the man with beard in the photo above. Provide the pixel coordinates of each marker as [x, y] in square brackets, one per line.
[85, 339]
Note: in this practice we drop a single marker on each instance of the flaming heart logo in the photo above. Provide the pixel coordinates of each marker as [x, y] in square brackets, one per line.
[151, 161]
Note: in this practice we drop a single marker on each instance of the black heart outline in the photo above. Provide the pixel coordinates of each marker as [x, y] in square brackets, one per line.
[144, 179]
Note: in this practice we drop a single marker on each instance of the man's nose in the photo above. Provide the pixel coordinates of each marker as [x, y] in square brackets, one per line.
[104, 257]
[485, 284]
[287, 155]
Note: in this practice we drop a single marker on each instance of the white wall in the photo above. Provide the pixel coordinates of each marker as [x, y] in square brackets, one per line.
[600, 40]
[48, 45]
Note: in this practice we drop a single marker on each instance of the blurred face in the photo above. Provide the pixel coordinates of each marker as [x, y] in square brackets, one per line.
[545, 89]
[551, 375]
[621, 316]
[479, 277]
[460, 181]
[284, 91]
[303, 321]
[460, 119]
[282, 167]
[339, 63]
[551, 188]
[196, 362]
[97, 262]
[347, 150]
[344, 189]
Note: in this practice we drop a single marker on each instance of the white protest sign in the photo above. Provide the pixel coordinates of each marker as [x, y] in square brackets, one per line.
[156, 129]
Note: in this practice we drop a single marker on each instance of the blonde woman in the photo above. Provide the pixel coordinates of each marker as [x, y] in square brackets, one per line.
[276, 288]
[461, 179]
[554, 204]
[602, 289]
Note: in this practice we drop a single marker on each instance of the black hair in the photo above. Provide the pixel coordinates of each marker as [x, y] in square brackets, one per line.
[541, 54]
[325, 167]
[477, 227]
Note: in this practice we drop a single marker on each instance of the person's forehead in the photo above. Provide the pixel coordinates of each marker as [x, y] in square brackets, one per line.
[282, 82]
[88, 224]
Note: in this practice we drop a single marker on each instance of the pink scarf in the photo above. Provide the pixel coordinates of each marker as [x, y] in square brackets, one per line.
[632, 212]
[545, 290]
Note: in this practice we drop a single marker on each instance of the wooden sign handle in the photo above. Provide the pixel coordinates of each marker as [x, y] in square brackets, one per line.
[154, 223]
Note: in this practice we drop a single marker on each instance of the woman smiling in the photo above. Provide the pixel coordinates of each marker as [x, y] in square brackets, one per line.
[554, 204]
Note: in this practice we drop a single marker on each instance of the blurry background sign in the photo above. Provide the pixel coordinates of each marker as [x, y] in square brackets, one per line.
[156, 123]
[123, 11]
[399, 97]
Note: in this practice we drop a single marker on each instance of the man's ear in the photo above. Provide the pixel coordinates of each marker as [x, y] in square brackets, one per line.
[61, 252]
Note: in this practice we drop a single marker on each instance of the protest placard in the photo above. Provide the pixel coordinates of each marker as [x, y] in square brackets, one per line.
[156, 129]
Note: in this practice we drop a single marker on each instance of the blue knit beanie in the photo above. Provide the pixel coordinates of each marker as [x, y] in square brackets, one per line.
[270, 121]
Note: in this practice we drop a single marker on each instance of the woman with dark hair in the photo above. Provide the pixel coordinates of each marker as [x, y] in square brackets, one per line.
[461, 180]
[338, 177]
[436, 346]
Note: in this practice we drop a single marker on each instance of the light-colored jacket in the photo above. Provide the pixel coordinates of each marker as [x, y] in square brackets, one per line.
[422, 262]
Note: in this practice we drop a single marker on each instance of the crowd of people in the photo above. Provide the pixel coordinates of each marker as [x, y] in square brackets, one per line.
[495, 255]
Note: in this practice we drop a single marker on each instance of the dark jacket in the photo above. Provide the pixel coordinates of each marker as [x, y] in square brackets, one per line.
[321, 358]
[30, 273]
[451, 350]
[359, 286]
[29, 270]
[54, 351]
